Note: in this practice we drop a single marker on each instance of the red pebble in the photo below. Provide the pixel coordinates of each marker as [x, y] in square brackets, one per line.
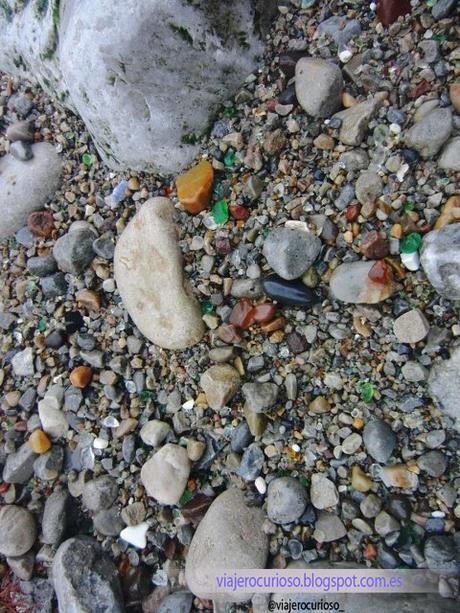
[264, 312]
[238, 212]
[353, 211]
[388, 11]
[242, 314]
[229, 333]
[375, 246]
[41, 223]
[421, 88]
[380, 272]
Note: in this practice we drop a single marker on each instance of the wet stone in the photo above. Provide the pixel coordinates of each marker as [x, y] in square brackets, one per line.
[289, 293]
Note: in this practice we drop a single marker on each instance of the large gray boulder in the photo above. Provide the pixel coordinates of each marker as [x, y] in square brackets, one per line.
[85, 578]
[146, 76]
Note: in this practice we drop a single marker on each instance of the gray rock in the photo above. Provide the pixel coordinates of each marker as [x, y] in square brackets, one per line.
[54, 522]
[329, 527]
[356, 159]
[27, 399]
[253, 187]
[154, 432]
[370, 506]
[23, 363]
[440, 259]
[444, 385]
[260, 397]
[429, 134]
[165, 474]
[20, 130]
[6, 320]
[149, 291]
[290, 252]
[442, 554]
[220, 383]
[433, 462]
[318, 86]
[286, 500]
[20, 104]
[104, 247]
[54, 286]
[368, 187]
[450, 155]
[19, 466]
[99, 493]
[323, 493]
[379, 440]
[176, 63]
[48, 466]
[21, 151]
[26, 186]
[246, 288]
[23, 566]
[85, 578]
[17, 530]
[108, 522]
[41, 266]
[177, 602]
[413, 371]
[385, 524]
[241, 437]
[252, 462]
[222, 354]
[443, 8]
[411, 327]
[73, 252]
[229, 536]
[355, 121]
[341, 30]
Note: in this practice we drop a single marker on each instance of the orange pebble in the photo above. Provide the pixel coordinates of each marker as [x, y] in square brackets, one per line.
[39, 442]
[194, 187]
[81, 376]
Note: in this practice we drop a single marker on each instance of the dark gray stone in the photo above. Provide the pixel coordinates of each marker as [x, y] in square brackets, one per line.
[19, 466]
[85, 578]
[379, 440]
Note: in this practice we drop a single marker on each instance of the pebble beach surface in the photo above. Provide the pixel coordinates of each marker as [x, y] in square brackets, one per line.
[256, 361]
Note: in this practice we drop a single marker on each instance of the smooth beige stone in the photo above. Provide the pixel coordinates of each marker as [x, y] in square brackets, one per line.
[150, 279]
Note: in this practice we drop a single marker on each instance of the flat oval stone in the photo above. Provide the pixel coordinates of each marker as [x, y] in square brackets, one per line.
[289, 293]
[150, 279]
[230, 536]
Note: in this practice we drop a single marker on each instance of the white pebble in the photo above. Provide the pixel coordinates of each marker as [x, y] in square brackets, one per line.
[108, 285]
[372, 6]
[345, 56]
[295, 448]
[136, 535]
[100, 443]
[411, 260]
[395, 128]
[188, 404]
[260, 484]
